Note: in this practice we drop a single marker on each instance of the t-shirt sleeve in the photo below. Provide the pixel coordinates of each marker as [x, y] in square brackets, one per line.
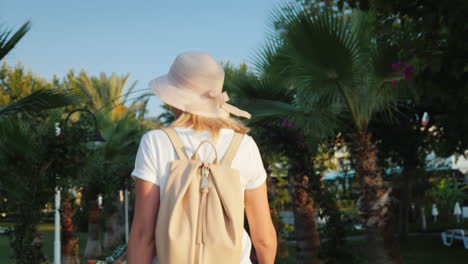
[257, 173]
[146, 167]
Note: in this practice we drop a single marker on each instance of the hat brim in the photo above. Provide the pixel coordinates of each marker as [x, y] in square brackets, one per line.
[169, 93]
[180, 98]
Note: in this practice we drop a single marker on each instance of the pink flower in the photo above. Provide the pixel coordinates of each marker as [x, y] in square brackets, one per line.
[61, 134]
[286, 123]
[407, 72]
[397, 65]
[394, 83]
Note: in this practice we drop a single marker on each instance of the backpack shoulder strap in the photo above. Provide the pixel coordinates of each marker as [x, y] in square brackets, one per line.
[176, 143]
[232, 149]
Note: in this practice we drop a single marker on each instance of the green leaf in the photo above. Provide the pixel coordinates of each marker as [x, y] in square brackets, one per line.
[41, 100]
[7, 43]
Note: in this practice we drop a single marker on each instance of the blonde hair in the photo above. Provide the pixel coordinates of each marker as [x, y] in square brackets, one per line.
[214, 125]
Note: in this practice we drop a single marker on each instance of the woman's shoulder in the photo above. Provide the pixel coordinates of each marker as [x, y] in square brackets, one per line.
[158, 134]
[153, 133]
[154, 137]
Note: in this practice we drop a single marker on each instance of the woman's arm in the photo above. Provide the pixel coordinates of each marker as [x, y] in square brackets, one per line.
[261, 226]
[141, 242]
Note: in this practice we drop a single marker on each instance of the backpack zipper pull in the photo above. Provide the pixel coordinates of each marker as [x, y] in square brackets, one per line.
[205, 171]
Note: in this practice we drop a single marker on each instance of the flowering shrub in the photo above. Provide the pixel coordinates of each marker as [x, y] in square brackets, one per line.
[405, 71]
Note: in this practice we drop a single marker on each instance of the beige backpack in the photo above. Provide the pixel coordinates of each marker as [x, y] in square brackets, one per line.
[201, 214]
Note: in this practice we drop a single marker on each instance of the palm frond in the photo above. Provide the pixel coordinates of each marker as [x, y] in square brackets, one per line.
[130, 90]
[323, 51]
[17, 139]
[120, 135]
[103, 91]
[265, 88]
[7, 43]
[41, 100]
[271, 98]
[334, 59]
[272, 60]
[262, 108]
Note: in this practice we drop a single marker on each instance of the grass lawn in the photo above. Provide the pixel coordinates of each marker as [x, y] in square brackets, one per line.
[423, 249]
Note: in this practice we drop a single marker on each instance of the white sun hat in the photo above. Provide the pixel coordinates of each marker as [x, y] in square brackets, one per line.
[194, 84]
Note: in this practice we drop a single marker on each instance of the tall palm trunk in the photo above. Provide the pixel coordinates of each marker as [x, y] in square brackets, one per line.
[307, 236]
[374, 203]
[113, 230]
[93, 245]
[70, 246]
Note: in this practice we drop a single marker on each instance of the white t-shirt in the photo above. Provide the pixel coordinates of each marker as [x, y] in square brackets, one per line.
[156, 152]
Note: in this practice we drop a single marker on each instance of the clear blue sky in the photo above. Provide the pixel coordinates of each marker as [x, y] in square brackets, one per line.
[140, 37]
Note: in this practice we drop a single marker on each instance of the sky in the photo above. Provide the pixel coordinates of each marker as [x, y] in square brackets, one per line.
[136, 37]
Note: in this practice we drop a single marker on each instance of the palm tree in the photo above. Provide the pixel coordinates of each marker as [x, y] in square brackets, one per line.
[109, 166]
[70, 246]
[23, 92]
[26, 176]
[106, 173]
[272, 102]
[24, 96]
[335, 58]
[119, 150]
[103, 92]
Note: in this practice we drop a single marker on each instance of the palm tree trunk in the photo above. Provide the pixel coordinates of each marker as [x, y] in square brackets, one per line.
[113, 231]
[307, 236]
[374, 203]
[70, 246]
[93, 245]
